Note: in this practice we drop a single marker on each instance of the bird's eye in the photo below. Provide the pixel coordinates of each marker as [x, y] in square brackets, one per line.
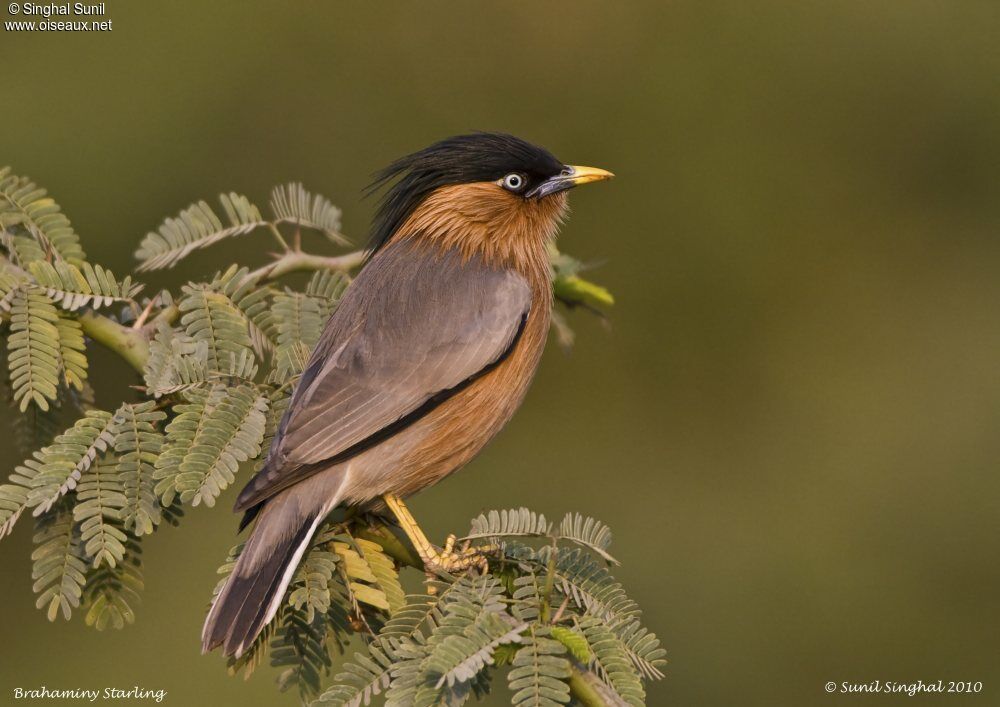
[513, 181]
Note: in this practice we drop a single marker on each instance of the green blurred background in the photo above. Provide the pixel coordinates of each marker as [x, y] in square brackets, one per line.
[792, 423]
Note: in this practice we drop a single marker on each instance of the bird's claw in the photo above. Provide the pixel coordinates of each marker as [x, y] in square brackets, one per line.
[448, 560]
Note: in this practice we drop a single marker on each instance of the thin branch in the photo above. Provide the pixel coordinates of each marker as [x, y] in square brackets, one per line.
[141, 319]
[167, 315]
[589, 690]
[277, 236]
[131, 344]
[293, 261]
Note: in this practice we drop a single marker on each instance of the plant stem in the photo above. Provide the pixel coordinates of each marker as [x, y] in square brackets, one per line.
[131, 344]
[588, 689]
[295, 260]
[278, 237]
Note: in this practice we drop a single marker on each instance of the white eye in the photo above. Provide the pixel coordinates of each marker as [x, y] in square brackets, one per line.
[513, 181]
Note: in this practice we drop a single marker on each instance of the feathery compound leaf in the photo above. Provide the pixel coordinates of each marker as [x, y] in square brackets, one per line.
[10, 281]
[299, 322]
[23, 249]
[574, 641]
[408, 620]
[405, 675]
[34, 428]
[196, 227]
[56, 469]
[207, 441]
[327, 286]
[509, 523]
[363, 678]
[643, 648]
[137, 446]
[588, 532]
[73, 286]
[212, 319]
[23, 205]
[459, 658]
[111, 591]
[421, 613]
[33, 354]
[252, 302]
[13, 501]
[237, 369]
[371, 575]
[592, 587]
[310, 587]
[540, 670]
[100, 500]
[59, 567]
[384, 570]
[299, 646]
[291, 203]
[73, 361]
[289, 362]
[460, 616]
[612, 662]
[527, 596]
[176, 362]
[369, 674]
[413, 682]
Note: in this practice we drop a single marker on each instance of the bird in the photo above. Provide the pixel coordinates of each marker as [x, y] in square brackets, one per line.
[428, 355]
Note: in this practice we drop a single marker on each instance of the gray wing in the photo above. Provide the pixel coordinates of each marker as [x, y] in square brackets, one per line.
[416, 324]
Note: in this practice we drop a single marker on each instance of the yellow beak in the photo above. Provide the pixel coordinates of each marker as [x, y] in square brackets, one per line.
[584, 175]
[571, 176]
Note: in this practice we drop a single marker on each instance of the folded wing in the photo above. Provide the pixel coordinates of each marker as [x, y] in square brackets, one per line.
[416, 325]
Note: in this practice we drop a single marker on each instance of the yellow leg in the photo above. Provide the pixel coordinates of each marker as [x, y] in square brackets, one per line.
[435, 560]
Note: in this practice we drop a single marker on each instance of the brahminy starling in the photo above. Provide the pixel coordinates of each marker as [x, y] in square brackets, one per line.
[429, 353]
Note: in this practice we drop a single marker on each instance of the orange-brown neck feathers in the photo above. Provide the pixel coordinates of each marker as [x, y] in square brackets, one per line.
[481, 217]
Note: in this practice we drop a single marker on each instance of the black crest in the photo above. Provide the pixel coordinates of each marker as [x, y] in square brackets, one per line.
[477, 157]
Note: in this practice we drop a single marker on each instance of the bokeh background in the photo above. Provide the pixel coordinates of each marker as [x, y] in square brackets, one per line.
[792, 422]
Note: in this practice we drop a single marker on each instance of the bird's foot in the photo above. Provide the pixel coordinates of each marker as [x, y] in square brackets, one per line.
[437, 561]
[450, 560]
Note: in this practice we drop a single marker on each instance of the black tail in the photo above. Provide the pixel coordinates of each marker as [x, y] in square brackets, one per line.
[253, 593]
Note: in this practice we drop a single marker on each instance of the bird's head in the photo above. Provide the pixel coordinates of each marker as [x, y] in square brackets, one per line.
[482, 191]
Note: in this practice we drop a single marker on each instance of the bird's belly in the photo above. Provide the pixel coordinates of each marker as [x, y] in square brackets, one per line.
[453, 432]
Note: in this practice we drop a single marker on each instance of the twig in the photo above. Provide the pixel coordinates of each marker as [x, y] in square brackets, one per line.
[277, 236]
[588, 689]
[293, 261]
[562, 608]
[141, 319]
[131, 344]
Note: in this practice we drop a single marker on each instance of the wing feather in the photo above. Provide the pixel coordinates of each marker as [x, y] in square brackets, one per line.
[416, 324]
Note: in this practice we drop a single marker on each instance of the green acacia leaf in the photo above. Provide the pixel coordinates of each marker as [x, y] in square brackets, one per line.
[36, 220]
[194, 228]
[33, 348]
